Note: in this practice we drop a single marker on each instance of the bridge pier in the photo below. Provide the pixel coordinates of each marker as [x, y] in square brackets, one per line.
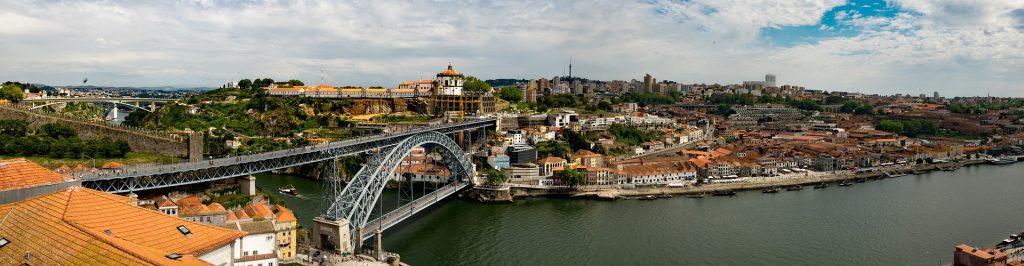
[359, 240]
[332, 235]
[378, 248]
[248, 185]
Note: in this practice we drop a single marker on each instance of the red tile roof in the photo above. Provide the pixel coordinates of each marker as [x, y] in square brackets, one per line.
[21, 173]
[80, 226]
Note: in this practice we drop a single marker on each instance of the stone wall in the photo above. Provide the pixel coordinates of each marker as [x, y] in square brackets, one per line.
[139, 140]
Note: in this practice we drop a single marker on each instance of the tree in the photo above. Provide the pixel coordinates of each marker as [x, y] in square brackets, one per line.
[495, 177]
[471, 83]
[573, 178]
[13, 128]
[244, 84]
[724, 110]
[511, 94]
[12, 93]
[57, 131]
[295, 82]
[135, 118]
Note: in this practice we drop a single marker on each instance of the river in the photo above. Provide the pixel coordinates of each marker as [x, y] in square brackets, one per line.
[911, 220]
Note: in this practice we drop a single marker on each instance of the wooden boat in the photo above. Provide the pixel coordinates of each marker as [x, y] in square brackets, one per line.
[770, 190]
[648, 197]
[794, 188]
[822, 185]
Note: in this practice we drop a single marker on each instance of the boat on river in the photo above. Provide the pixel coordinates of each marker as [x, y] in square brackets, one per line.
[794, 188]
[695, 196]
[289, 190]
[770, 190]
[822, 185]
[724, 193]
[845, 183]
[648, 197]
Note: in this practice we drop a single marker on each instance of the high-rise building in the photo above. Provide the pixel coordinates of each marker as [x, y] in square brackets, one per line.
[769, 81]
[936, 94]
[648, 83]
[530, 95]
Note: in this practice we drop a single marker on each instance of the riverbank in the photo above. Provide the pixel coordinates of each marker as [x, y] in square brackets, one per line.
[611, 193]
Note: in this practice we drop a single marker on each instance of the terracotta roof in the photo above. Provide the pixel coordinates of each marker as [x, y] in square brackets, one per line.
[216, 207]
[551, 159]
[449, 72]
[113, 165]
[80, 226]
[284, 214]
[231, 216]
[164, 202]
[190, 205]
[259, 210]
[240, 214]
[21, 173]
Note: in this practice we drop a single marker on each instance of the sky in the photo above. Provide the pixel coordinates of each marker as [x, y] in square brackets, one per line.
[954, 47]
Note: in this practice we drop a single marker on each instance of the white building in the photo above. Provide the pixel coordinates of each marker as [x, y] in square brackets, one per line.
[449, 82]
[258, 247]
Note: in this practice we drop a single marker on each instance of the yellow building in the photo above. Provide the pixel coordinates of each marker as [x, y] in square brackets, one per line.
[286, 224]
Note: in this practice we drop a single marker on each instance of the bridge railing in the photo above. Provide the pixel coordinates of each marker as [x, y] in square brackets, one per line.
[398, 215]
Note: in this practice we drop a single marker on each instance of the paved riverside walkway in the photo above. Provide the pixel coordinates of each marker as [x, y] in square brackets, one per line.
[750, 183]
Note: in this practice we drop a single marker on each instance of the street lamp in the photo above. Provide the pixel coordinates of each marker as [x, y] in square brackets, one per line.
[93, 160]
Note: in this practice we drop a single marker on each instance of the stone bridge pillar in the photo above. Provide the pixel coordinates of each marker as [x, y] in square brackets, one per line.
[195, 147]
[248, 185]
[332, 235]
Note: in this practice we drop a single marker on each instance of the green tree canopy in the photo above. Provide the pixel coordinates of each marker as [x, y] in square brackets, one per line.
[12, 92]
[471, 83]
[573, 178]
[13, 128]
[57, 131]
[511, 94]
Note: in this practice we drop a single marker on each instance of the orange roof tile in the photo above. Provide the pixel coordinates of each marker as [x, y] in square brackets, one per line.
[164, 202]
[216, 207]
[231, 216]
[80, 226]
[259, 210]
[240, 214]
[21, 173]
[551, 159]
[284, 214]
[112, 165]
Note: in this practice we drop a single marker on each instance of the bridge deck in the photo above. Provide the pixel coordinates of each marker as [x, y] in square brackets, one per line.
[408, 210]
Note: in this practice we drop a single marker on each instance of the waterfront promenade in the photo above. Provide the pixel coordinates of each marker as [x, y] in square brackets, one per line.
[809, 178]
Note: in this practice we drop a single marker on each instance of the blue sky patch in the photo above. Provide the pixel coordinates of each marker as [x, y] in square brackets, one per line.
[834, 23]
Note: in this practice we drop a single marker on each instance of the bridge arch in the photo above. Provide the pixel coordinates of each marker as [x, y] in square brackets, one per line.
[356, 201]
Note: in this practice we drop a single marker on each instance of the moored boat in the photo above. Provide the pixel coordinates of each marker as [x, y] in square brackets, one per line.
[648, 197]
[724, 193]
[695, 196]
[770, 190]
[794, 188]
[822, 185]
[845, 183]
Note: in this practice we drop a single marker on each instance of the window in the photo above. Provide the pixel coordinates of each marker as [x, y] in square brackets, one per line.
[184, 230]
[246, 253]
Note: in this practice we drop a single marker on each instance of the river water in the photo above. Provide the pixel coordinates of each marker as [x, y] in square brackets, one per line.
[911, 220]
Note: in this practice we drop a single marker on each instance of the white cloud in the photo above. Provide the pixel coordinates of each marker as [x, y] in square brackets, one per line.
[206, 43]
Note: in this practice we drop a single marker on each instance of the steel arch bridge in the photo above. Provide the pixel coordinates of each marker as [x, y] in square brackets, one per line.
[162, 176]
[356, 201]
